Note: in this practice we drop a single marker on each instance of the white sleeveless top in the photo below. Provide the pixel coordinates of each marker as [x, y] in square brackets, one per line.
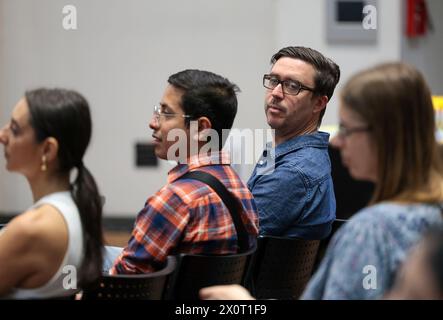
[64, 203]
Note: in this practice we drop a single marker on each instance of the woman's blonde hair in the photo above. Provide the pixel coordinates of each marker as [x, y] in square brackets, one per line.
[395, 102]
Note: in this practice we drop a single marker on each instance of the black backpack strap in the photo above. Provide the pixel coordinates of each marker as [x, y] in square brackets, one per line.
[228, 199]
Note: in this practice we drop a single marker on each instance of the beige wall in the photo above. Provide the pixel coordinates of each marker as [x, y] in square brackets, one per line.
[123, 52]
[120, 58]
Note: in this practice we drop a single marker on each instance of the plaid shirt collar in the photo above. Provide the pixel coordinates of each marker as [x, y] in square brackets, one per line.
[198, 161]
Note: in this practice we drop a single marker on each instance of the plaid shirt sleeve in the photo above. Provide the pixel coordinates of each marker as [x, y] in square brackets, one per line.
[158, 229]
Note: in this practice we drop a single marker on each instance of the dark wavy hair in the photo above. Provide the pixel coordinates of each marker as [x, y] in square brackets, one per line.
[206, 94]
[65, 116]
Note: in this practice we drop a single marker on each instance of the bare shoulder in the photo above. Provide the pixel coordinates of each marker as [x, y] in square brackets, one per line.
[33, 245]
[42, 230]
[38, 224]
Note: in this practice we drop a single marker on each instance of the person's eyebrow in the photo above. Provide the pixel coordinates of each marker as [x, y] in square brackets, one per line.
[165, 106]
[287, 79]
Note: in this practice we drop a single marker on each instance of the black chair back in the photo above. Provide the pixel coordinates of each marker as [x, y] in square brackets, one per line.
[198, 271]
[350, 195]
[336, 224]
[149, 286]
[281, 267]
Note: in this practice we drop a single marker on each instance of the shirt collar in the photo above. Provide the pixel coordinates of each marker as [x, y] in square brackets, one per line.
[317, 139]
[198, 161]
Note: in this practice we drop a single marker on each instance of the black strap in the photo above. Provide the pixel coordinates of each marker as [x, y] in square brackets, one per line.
[229, 201]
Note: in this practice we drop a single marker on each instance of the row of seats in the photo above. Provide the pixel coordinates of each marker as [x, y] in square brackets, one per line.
[278, 268]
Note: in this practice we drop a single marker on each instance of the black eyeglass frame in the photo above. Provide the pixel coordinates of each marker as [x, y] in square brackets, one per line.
[285, 85]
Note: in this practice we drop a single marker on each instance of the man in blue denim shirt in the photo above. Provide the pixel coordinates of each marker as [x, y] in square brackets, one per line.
[292, 183]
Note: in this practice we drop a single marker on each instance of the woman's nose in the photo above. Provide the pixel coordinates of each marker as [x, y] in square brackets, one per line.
[3, 135]
[336, 141]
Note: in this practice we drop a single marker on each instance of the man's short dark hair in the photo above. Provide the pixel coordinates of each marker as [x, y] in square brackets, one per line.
[207, 94]
[327, 71]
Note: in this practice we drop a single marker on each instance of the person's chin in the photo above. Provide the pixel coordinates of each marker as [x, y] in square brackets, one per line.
[159, 153]
[356, 175]
[273, 122]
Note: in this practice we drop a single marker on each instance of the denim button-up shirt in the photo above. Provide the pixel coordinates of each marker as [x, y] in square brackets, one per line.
[293, 189]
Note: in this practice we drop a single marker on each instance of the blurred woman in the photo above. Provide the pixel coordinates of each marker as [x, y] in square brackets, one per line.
[387, 136]
[55, 247]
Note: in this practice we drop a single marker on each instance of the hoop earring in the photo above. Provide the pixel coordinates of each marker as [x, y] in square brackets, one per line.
[43, 167]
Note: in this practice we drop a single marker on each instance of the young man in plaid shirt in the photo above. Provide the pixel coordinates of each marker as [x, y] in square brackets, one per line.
[187, 215]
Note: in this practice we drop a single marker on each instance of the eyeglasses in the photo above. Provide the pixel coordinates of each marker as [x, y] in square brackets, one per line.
[290, 87]
[158, 112]
[344, 132]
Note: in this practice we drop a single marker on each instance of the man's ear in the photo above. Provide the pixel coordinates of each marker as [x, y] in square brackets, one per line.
[203, 124]
[320, 103]
[50, 149]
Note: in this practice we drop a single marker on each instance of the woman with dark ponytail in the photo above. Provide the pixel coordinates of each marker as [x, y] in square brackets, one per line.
[55, 247]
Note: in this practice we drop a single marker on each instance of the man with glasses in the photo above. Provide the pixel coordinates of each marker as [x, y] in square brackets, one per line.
[186, 215]
[296, 198]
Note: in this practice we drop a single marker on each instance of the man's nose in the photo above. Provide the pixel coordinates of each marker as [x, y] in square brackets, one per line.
[278, 91]
[154, 123]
